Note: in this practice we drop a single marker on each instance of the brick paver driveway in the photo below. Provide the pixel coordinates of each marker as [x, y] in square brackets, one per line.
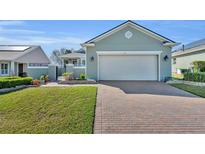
[147, 107]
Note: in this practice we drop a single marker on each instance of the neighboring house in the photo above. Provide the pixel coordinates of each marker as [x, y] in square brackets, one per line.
[76, 59]
[183, 58]
[18, 59]
[74, 62]
[128, 52]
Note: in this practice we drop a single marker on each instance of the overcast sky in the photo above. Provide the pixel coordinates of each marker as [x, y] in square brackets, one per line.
[69, 34]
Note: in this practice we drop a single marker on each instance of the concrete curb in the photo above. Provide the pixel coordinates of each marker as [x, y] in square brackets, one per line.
[6, 90]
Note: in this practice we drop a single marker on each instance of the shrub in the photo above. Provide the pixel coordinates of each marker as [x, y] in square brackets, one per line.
[183, 71]
[196, 77]
[36, 82]
[8, 82]
[82, 76]
[199, 66]
[24, 74]
[68, 75]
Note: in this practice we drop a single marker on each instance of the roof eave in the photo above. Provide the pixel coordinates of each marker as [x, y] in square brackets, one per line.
[168, 44]
[87, 44]
[188, 51]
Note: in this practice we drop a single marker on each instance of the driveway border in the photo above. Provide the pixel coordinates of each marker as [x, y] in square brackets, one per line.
[98, 114]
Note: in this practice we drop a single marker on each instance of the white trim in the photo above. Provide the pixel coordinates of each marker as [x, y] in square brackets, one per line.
[157, 53]
[167, 44]
[128, 52]
[17, 69]
[36, 67]
[132, 25]
[87, 44]
[98, 67]
[79, 67]
[159, 71]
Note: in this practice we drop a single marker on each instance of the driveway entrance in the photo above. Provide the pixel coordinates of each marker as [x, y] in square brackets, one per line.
[147, 107]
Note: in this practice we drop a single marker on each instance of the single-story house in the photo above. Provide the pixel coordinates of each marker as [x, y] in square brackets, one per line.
[74, 58]
[183, 58]
[74, 62]
[128, 52]
[18, 59]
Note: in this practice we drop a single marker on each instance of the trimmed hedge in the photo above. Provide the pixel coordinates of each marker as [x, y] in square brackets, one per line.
[8, 82]
[196, 77]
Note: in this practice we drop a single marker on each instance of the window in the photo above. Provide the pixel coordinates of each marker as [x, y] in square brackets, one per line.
[38, 65]
[174, 61]
[83, 62]
[75, 62]
[4, 67]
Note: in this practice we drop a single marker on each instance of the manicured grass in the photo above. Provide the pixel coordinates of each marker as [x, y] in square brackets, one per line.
[200, 91]
[48, 110]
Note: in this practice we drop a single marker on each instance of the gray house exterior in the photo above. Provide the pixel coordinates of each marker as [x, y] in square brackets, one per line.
[183, 58]
[128, 52]
[17, 59]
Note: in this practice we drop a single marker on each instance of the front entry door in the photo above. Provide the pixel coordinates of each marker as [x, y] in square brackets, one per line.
[20, 68]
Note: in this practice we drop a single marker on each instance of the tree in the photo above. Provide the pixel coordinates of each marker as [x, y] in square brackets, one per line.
[55, 56]
[199, 66]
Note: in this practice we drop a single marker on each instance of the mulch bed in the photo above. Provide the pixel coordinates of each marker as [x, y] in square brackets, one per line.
[78, 82]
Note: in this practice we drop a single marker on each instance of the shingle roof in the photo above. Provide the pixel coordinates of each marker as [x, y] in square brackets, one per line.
[193, 44]
[73, 55]
[12, 52]
[196, 46]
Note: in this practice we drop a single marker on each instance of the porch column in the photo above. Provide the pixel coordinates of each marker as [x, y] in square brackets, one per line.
[78, 62]
[17, 69]
[12, 69]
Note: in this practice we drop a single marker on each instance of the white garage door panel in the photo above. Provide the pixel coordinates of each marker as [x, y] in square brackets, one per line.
[133, 67]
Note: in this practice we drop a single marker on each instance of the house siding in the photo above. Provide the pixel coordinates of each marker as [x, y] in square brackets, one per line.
[184, 61]
[36, 73]
[118, 42]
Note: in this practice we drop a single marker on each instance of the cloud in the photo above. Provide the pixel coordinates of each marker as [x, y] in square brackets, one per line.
[5, 30]
[20, 36]
[41, 40]
[19, 31]
[11, 23]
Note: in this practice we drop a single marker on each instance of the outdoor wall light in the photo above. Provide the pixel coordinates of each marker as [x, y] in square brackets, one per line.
[92, 58]
[166, 58]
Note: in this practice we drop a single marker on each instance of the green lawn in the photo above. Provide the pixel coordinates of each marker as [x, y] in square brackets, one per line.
[48, 110]
[200, 91]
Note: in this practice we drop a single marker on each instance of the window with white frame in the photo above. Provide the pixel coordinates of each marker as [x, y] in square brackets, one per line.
[4, 68]
[37, 65]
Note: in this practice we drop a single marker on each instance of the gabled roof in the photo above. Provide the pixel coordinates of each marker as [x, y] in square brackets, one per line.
[190, 48]
[73, 55]
[14, 52]
[134, 25]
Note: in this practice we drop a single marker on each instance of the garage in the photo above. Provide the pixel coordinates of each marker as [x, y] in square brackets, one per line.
[128, 67]
[128, 52]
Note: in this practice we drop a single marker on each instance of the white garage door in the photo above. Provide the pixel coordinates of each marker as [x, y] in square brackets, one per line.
[132, 67]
